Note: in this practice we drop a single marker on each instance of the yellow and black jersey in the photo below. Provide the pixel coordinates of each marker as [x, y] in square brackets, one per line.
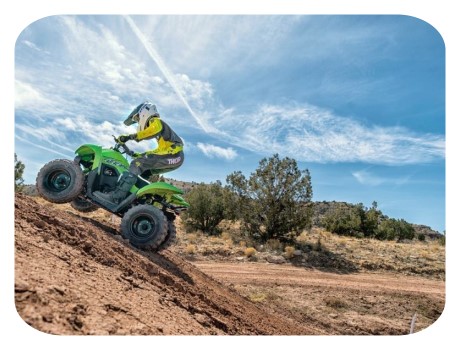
[168, 141]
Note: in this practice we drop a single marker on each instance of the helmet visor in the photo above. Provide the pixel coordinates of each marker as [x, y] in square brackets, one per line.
[133, 115]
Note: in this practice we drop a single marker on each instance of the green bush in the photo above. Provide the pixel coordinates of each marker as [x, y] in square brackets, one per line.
[353, 220]
[275, 202]
[343, 220]
[18, 172]
[392, 229]
[442, 240]
[208, 207]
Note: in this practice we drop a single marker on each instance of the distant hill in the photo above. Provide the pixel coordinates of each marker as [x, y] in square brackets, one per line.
[323, 208]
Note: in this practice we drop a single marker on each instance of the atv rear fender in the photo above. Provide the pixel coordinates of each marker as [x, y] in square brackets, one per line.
[171, 193]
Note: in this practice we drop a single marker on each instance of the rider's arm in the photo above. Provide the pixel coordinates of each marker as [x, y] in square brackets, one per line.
[152, 130]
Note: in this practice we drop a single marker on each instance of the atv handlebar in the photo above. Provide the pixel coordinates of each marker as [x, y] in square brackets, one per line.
[119, 144]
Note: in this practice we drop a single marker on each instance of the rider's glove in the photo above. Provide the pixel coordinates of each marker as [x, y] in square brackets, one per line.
[134, 154]
[126, 138]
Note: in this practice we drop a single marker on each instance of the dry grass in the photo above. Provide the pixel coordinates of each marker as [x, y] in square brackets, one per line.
[190, 249]
[249, 252]
[335, 303]
[289, 250]
[274, 245]
[261, 295]
[322, 249]
[415, 257]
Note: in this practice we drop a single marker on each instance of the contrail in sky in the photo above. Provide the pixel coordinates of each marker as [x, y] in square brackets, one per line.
[28, 129]
[164, 69]
[42, 147]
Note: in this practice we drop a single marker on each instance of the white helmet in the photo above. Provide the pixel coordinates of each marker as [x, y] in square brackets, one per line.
[142, 114]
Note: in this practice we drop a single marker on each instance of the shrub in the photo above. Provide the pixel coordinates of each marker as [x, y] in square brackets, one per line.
[343, 220]
[226, 236]
[274, 244]
[353, 220]
[442, 240]
[18, 172]
[249, 252]
[190, 249]
[391, 229]
[275, 202]
[318, 247]
[208, 207]
[289, 250]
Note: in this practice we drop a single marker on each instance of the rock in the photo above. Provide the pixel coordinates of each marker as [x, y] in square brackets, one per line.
[297, 252]
[274, 259]
[21, 286]
[240, 258]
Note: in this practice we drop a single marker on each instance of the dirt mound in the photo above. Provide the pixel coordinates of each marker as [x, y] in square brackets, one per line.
[74, 275]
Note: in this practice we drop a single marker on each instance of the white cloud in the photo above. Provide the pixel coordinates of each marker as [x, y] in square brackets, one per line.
[367, 178]
[30, 98]
[41, 132]
[48, 149]
[213, 151]
[31, 45]
[198, 92]
[308, 133]
[102, 72]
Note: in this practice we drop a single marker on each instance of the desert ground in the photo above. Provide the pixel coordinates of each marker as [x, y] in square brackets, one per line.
[74, 274]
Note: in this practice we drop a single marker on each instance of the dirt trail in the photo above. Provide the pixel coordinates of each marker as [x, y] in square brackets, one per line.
[74, 275]
[358, 303]
[269, 274]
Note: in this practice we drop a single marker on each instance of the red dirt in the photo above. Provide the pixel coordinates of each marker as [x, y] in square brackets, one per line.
[74, 275]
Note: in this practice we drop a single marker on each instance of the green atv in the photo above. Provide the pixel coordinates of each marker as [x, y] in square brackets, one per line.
[147, 213]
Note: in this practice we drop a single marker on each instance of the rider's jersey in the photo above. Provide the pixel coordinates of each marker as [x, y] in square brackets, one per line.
[168, 141]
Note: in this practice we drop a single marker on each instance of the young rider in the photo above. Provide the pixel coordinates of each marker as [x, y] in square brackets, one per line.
[166, 157]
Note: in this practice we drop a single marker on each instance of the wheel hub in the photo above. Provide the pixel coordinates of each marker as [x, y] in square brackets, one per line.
[60, 181]
[143, 227]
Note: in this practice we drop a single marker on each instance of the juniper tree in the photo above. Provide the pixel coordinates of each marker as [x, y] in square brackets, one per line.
[275, 202]
[18, 173]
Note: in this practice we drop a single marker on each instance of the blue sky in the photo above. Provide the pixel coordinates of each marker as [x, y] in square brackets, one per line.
[358, 100]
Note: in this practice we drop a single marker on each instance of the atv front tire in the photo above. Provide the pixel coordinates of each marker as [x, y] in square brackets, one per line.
[60, 181]
[83, 205]
[145, 226]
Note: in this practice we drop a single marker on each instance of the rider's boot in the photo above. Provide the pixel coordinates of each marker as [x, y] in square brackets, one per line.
[124, 184]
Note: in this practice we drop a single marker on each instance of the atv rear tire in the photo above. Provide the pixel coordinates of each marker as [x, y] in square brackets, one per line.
[145, 226]
[60, 181]
[170, 237]
[83, 205]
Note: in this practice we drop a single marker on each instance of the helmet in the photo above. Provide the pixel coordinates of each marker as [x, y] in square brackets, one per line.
[142, 114]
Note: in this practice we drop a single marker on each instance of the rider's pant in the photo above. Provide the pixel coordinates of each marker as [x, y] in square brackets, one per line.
[156, 164]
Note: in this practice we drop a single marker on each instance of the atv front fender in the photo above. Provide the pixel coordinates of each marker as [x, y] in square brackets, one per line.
[88, 152]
